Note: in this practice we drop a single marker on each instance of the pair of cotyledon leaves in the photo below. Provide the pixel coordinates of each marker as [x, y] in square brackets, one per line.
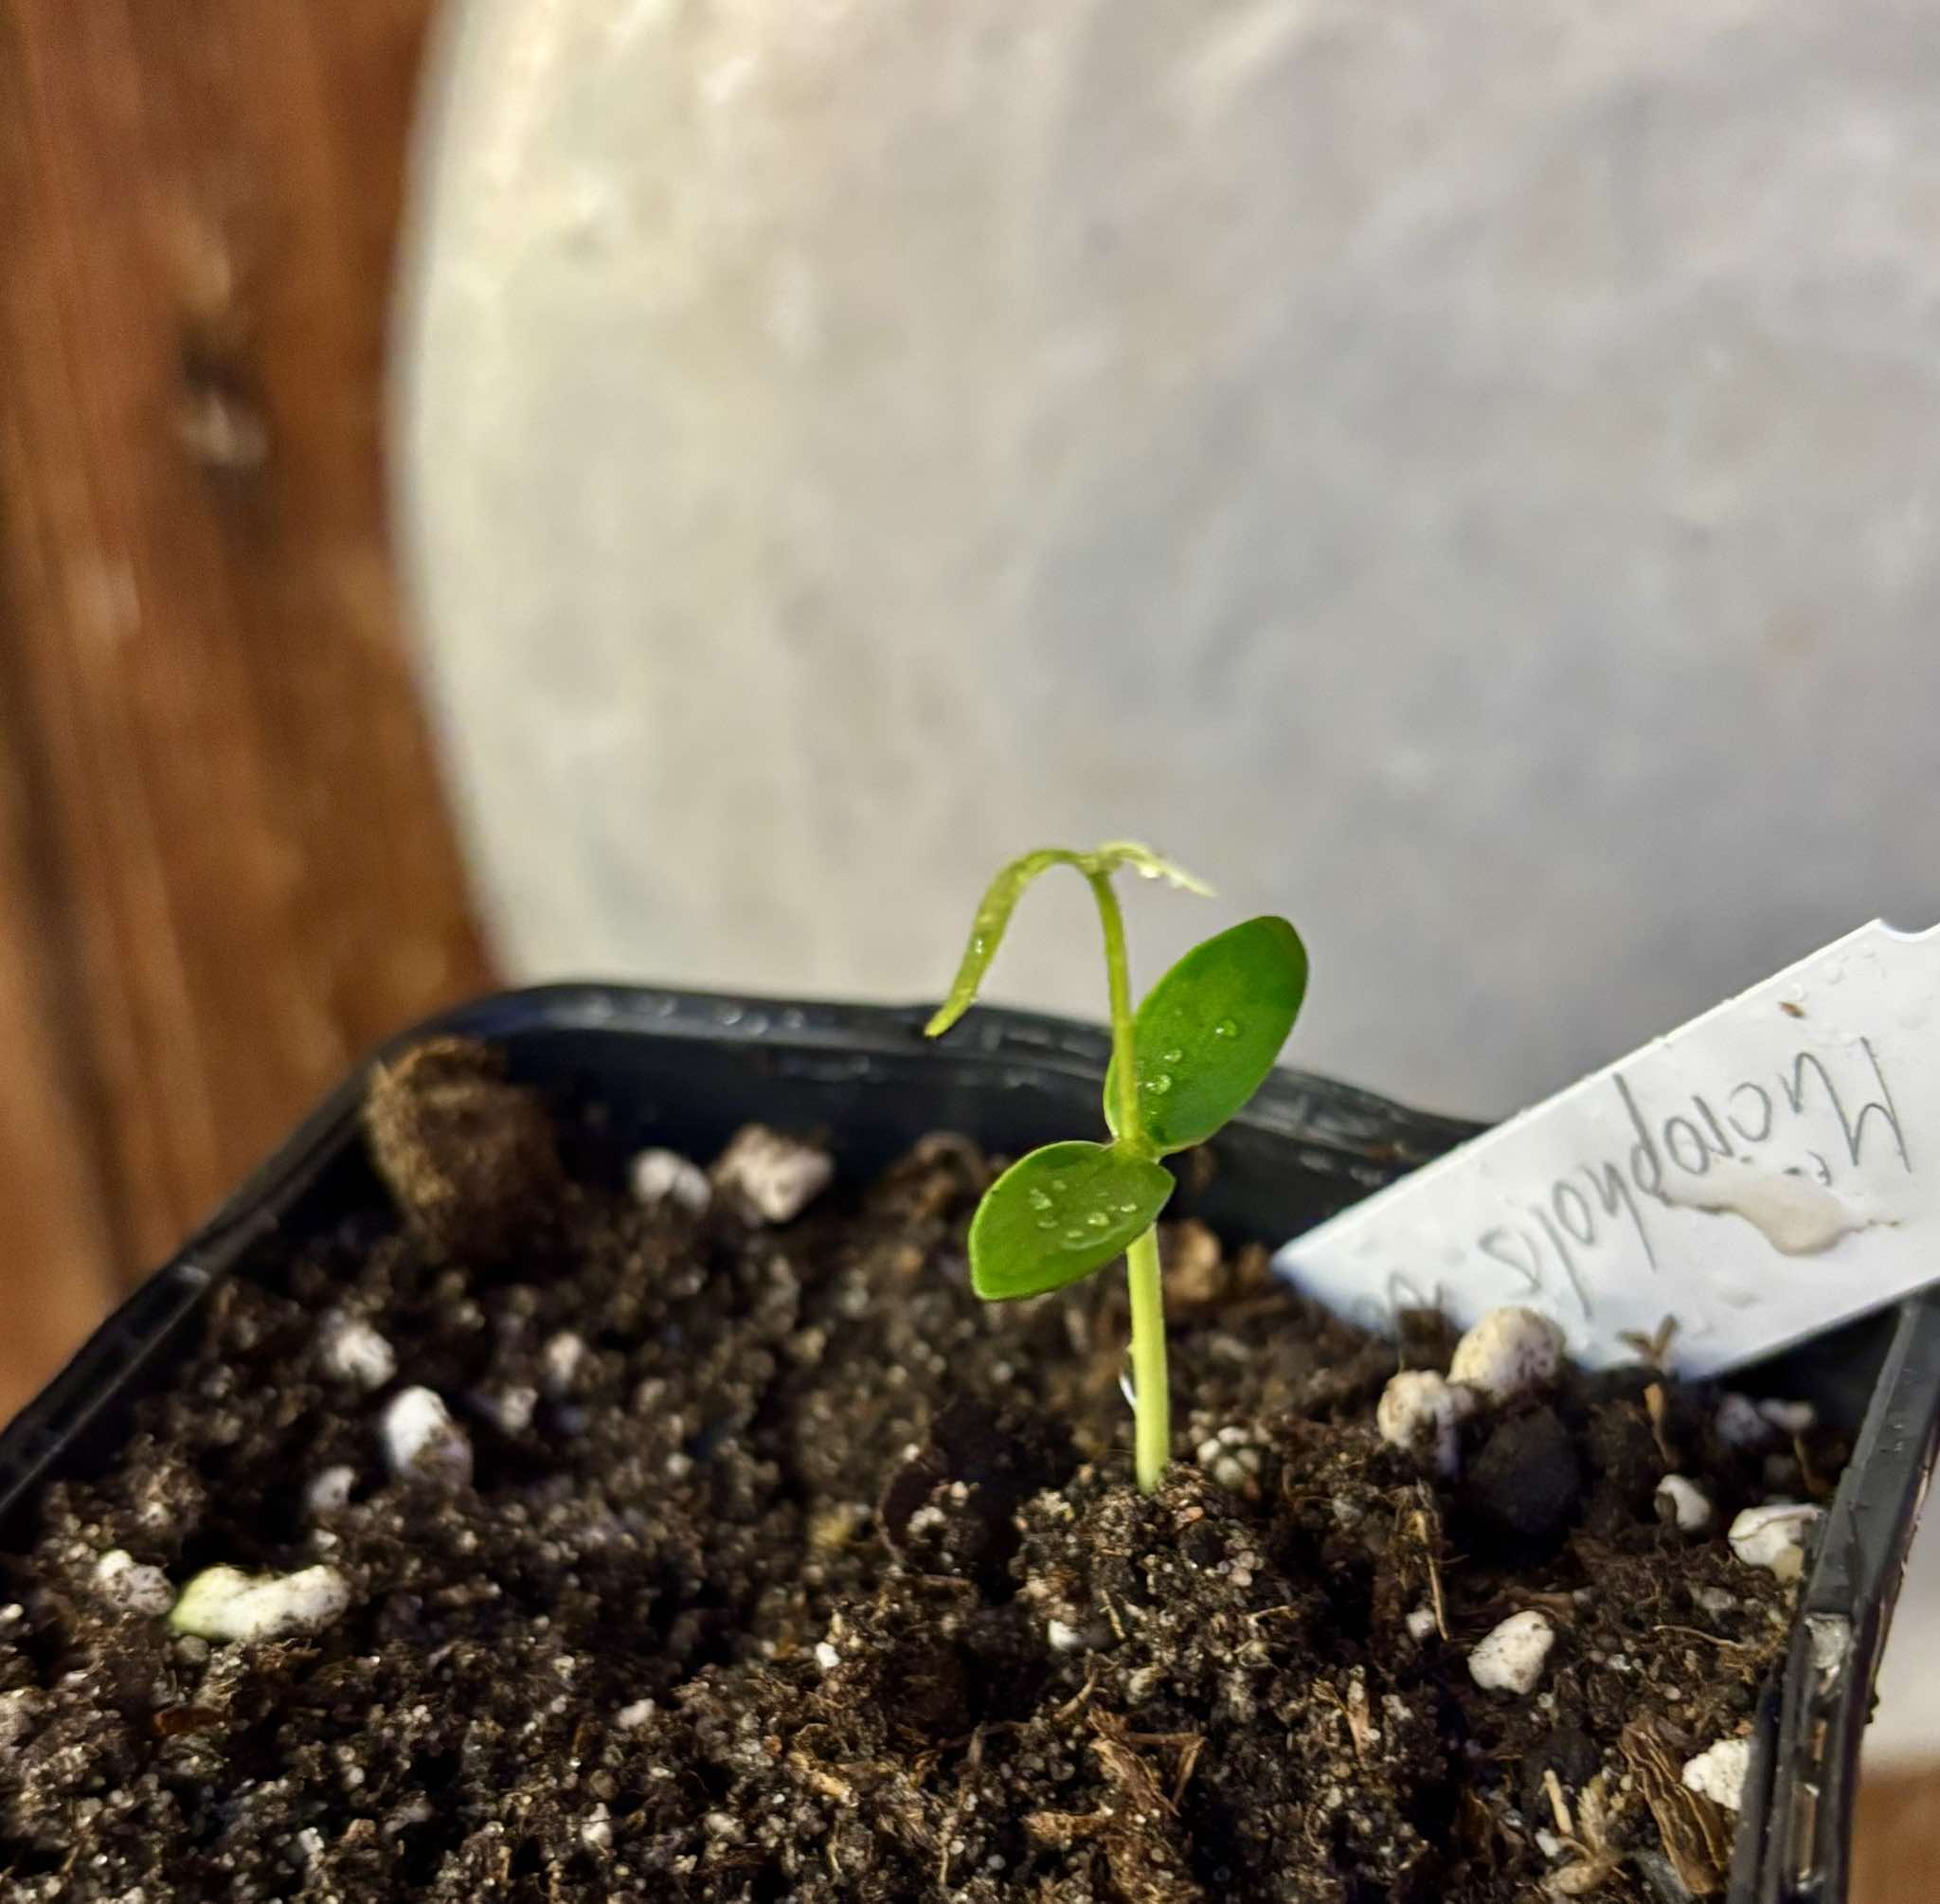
[1203, 1041]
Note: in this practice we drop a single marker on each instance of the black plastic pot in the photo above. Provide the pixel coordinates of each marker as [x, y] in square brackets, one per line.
[685, 1069]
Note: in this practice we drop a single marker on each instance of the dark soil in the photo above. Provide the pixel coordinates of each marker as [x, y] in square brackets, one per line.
[788, 1569]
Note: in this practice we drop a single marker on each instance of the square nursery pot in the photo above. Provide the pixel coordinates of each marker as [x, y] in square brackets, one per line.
[686, 1069]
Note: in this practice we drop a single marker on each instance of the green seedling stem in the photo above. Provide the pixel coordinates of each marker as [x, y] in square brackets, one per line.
[1182, 1065]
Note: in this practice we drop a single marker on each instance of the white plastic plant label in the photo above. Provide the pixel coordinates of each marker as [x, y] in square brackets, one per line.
[1765, 1172]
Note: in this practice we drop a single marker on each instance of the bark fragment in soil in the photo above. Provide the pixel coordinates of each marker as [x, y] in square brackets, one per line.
[785, 1568]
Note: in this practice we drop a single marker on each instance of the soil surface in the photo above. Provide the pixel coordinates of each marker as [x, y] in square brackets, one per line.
[759, 1560]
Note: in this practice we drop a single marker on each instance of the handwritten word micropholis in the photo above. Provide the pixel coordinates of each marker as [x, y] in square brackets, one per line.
[1755, 1174]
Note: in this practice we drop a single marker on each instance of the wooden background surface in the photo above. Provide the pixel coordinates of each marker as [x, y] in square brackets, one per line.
[226, 866]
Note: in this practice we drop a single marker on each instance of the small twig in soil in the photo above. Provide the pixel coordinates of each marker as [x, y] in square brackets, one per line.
[1694, 1633]
[1273, 1613]
[1423, 1526]
[1813, 1481]
[1653, 1349]
[1116, 1748]
[1563, 1603]
[1118, 1625]
[175, 1722]
[1081, 1698]
[1187, 1745]
[828, 1784]
[1353, 1710]
[926, 1762]
[1591, 1841]
[1359, 1726]
[1188, 1758]
[1062, 1829]
[1597, 1858]
[1559, 1806]
[1654, 1407]
[948, 1832]
[1339, 1705]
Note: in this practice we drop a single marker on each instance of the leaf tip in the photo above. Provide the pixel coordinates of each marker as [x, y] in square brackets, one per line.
[1291, 942]
[1148, 864]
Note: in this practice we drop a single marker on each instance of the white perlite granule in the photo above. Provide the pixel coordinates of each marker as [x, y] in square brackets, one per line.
[1689, 1504]
[330, 1489]
[558, 1362]
[511, 1408]
[1774, 1537]
[666, 1176]
[1718, 1773]
[20, 1713]
[1421, 1411]
[224, 1603]
[1510, 1658]
[777, 1177]
[1509, 1353]
[421, 1438]
[135, 1589]
[1232, 1458]
[1790, 1419]
[355, 1352]
[1740, 1424]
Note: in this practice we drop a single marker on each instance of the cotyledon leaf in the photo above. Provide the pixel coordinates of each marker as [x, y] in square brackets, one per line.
[1059, 1213]
[1207, 1032]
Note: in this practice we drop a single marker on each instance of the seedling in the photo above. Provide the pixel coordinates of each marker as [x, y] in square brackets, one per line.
[1197, 1048]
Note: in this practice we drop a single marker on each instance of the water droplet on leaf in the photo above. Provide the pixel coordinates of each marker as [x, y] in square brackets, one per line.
[1039, 1199]
[1173, 1057]
[1097, 1218]
[1158, 1083]
[1226, 1029]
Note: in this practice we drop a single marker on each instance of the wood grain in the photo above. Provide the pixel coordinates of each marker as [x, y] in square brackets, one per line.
[231, 866]
[57, 1271]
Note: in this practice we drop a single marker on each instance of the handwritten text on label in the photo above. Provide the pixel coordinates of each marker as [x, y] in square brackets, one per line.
[1756, 1174]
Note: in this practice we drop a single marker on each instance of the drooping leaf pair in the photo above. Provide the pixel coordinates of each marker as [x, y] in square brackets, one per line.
[1000, 900]
[1203, 1042]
